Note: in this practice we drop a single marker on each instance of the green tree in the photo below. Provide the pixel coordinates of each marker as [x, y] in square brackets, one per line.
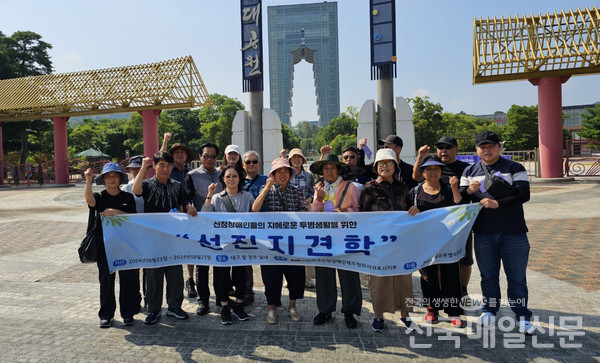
[340, 142]
[521, 130]
[306, 132]
[290, 140]
[216, 121]
[427, 119]
[345, 124]
[26, 55]
[189, 125]
[590, 124]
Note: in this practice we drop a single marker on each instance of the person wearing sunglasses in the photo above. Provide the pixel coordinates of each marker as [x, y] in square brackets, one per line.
[195, 186]
[447, 149]
[252, 184]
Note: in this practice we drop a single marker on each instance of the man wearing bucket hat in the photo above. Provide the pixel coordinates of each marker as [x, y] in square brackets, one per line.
[500, 231]
[181, 156]
[334, 194]
[280, 195]
[447, 149]
[389, 293]
[112, 201]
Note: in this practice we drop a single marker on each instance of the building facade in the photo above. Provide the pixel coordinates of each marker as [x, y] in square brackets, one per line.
[304, 32]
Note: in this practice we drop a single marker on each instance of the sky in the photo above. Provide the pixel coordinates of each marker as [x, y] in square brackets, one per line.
[434, 46]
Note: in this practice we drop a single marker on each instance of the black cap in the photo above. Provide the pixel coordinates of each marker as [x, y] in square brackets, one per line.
[487, 137]
[392, 139]
[447, 140]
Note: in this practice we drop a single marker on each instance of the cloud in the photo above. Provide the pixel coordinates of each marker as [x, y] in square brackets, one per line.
[421, 92]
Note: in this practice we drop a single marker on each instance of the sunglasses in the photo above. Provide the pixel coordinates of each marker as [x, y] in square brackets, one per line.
[206, 156]
[445, 147]
[346, 157]
[248, 162]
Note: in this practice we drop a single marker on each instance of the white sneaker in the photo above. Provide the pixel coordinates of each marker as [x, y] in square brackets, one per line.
[272, 317]
[487, 319]
[525, 327]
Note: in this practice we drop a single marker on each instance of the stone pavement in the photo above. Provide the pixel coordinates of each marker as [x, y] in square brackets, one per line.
[49, 300]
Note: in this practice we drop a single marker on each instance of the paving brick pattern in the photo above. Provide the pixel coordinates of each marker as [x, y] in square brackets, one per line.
[49, 305]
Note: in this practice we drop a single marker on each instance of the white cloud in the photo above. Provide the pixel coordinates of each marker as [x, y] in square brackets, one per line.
[421, 92]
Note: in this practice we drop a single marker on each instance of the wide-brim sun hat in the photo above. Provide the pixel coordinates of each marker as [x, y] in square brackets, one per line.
[280, 163]
[189, 152]
[111, 167]
[296, 151]
[385, 154]
[317, 166]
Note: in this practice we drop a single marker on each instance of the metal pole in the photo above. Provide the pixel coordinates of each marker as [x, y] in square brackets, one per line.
[385, 108]
[256, 125]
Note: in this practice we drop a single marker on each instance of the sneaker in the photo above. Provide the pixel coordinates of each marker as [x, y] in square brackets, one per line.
[458, 323]
[487, 319]
[309, 284]
[272, 317]
[377, 325]
[152, 318]
[409, 324]
[294, 314]
[128, 321]
[432, 316]
[105, 323]
[190, 287]
[525, 327]
[225, 315]
[321, 318]
[178, 313]
[351, 322]
[239, 312]
[202, 308]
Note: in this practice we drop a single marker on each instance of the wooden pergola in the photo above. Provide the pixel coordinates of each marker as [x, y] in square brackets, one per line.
[146, 88]
[547, 50]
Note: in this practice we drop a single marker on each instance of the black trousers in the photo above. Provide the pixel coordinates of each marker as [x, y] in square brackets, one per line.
[224, 277]
[327, 290]
[444, 294]
[155, 278]
[129, 293]
[202, 283]
[272, 276]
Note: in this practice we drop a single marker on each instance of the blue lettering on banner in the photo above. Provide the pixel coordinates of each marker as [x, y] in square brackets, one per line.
[410, 265]
[119, 263]
[222, 258]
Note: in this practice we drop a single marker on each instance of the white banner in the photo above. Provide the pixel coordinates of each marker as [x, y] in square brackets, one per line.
[375, 243]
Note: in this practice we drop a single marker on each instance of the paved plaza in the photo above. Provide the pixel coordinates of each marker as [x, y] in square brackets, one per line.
[49, 300]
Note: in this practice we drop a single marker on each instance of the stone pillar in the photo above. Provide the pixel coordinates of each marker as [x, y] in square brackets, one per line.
[150, 123]
[366, 128]
[1, 157]
[61, 157]
[385, 108]
[550, 125]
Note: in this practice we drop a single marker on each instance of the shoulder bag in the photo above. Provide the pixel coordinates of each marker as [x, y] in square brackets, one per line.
[496, 186]
[88, 249]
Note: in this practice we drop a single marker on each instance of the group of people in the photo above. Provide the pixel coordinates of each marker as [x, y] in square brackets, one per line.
[388, 184]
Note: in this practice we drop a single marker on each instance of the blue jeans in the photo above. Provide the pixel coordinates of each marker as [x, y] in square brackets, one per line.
[513, 251]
